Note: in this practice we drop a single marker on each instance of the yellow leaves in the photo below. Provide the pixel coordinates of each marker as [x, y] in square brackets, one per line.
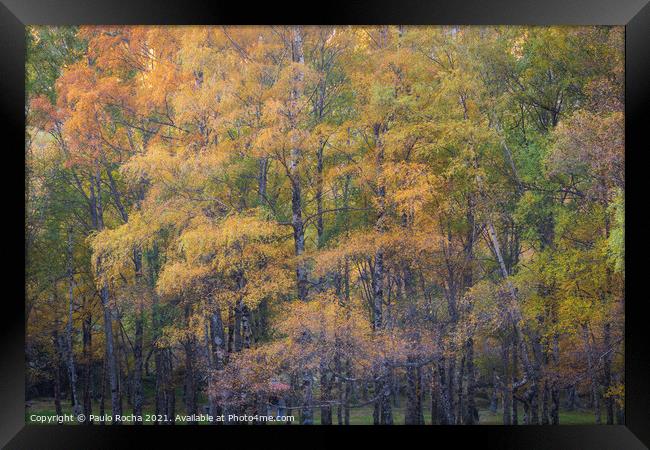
[157, 163]
[617, 392]
[236, 236]
[388, 125]
[248, 228]
[412, 185]
[294, 78]
[154, 86]
[400, 244]
[244, 255]
[271, 283]
[113, 249]
[518, 44]
[178, 278]
[322, 316]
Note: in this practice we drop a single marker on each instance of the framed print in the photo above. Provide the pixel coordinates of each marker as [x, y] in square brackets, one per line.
[244, 222]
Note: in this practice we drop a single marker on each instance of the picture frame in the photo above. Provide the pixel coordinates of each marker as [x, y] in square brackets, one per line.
[633, 14]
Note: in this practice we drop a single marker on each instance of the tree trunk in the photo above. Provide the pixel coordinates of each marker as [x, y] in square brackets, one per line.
[620, 410]
[237, 334]
[319, 195]
[159, 402]
[218, 347]
[383, 410]
[607, 373]
[297, 57]
[111, 355]
[571, 398]
[190, 382]
[411, 416]
[420, 394]
[138, 393]
[348, 396]
[471, 415]
[494, 393]
[341, 398]
[113, 375]
[296, 194]
[307, 410]
[121, 355]
[514, 373]
[533, 403]
[435, 395]
[262, 180]
[246, 326]
[170, 389]
[69, 350]
[190, 375]
[546, 398]
[326, 396]
[57, 374]
[555, 384]
[160, 407]
[445, 408]
[459, 391]
[87, 367]
[386, 407]
[591, 370]
[451, 385]
[102, 398]
[507, 394]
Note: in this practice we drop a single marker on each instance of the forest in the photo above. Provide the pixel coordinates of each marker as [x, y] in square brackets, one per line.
[342, 224]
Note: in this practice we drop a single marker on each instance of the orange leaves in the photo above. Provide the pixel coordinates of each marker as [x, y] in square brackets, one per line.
[116, 50]
[42, 114]
[90, 103]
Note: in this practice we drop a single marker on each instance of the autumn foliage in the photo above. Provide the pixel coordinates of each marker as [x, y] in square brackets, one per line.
[421, 221]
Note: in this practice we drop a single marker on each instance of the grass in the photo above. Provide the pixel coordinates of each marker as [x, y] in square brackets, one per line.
[581, 417]
[358, 416]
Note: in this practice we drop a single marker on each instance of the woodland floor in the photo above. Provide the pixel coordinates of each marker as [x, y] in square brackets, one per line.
[358, 416]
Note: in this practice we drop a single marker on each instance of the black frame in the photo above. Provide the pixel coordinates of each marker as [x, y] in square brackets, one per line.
[634, 14]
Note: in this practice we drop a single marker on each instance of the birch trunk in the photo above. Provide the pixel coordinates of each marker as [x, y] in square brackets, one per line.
[555, 383]
[138, 394]
[591, 370]
[326, 392]
[113, 375]
[102, 398]
[69, 351]
[507, 393]
[218, 347]
[87, 369]
[57, 374]
[445, 408]
[607, 372]
[294, 163]
[190, 376]
[383, 411]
